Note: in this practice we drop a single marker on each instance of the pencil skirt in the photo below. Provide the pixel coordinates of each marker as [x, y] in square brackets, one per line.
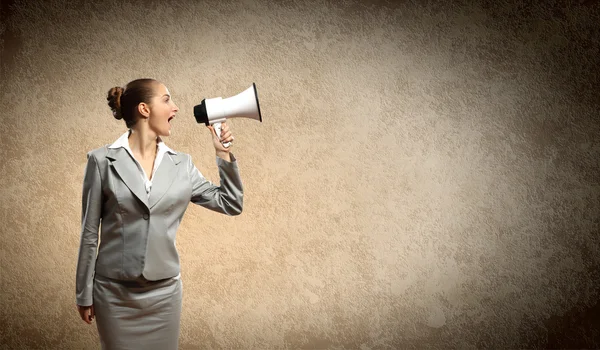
[138, 314]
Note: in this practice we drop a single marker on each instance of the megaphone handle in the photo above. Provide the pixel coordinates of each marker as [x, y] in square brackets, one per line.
[217, 127]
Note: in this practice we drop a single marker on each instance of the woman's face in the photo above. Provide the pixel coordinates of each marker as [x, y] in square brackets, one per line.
[162, 109]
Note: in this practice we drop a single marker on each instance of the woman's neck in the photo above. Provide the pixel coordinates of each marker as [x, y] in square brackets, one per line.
[143, 143]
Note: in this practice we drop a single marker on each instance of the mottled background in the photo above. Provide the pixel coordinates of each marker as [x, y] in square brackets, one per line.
[425, 176]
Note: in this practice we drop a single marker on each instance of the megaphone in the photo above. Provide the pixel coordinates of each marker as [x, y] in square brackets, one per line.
[214, 111]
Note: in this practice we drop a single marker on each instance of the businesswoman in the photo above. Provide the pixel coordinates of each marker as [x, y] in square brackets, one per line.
[135, 192]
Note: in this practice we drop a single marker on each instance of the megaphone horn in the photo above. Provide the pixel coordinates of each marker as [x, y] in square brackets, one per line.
[214, 111]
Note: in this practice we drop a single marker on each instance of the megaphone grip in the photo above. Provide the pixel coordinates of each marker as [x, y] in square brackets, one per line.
[217, 127]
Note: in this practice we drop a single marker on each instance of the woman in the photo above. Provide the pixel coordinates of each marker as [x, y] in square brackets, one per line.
[139, 189]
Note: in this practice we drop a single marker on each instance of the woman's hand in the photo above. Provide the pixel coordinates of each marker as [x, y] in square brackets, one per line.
[225, 137]
[87, 313]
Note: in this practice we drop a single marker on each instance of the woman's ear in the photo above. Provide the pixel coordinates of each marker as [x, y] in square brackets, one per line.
[144, 109]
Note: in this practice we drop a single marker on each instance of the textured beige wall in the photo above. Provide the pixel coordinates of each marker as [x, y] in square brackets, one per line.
[426, 174]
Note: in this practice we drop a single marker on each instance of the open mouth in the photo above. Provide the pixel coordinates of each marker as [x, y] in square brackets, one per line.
[170, 118]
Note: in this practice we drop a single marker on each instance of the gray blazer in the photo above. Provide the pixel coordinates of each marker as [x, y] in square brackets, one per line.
[137, 232]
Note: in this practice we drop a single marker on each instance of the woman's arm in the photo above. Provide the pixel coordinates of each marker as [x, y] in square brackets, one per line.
[226, 199]
[91, 212]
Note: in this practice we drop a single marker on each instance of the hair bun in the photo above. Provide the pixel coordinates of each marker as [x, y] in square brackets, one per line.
[114, 101]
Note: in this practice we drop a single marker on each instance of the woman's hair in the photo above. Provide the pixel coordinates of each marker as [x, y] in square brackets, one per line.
[124, 102]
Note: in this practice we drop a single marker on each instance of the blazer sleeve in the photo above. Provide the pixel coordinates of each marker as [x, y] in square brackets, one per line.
[91, 212]
[227, 198]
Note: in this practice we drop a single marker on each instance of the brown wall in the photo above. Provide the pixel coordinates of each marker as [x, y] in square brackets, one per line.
[426, 174]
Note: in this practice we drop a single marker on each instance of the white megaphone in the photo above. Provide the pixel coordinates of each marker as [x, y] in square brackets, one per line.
[214, 111]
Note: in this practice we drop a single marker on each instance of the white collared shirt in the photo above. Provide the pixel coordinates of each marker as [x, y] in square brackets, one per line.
[123, 141]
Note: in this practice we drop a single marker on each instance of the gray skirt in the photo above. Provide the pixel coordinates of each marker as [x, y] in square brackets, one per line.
[138, 314]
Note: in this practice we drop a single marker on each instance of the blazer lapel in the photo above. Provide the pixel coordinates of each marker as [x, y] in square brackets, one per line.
[163, 178]
[128, 171]
[125, 166]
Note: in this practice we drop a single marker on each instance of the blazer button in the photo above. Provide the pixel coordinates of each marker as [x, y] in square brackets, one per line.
[146, 216]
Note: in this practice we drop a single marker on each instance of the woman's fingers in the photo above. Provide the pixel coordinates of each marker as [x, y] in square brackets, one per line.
[214, 132]
[86, 313]
[226, 135]
[225, 132]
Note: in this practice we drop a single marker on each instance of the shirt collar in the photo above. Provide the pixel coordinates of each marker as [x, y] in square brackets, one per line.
[123, 141]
